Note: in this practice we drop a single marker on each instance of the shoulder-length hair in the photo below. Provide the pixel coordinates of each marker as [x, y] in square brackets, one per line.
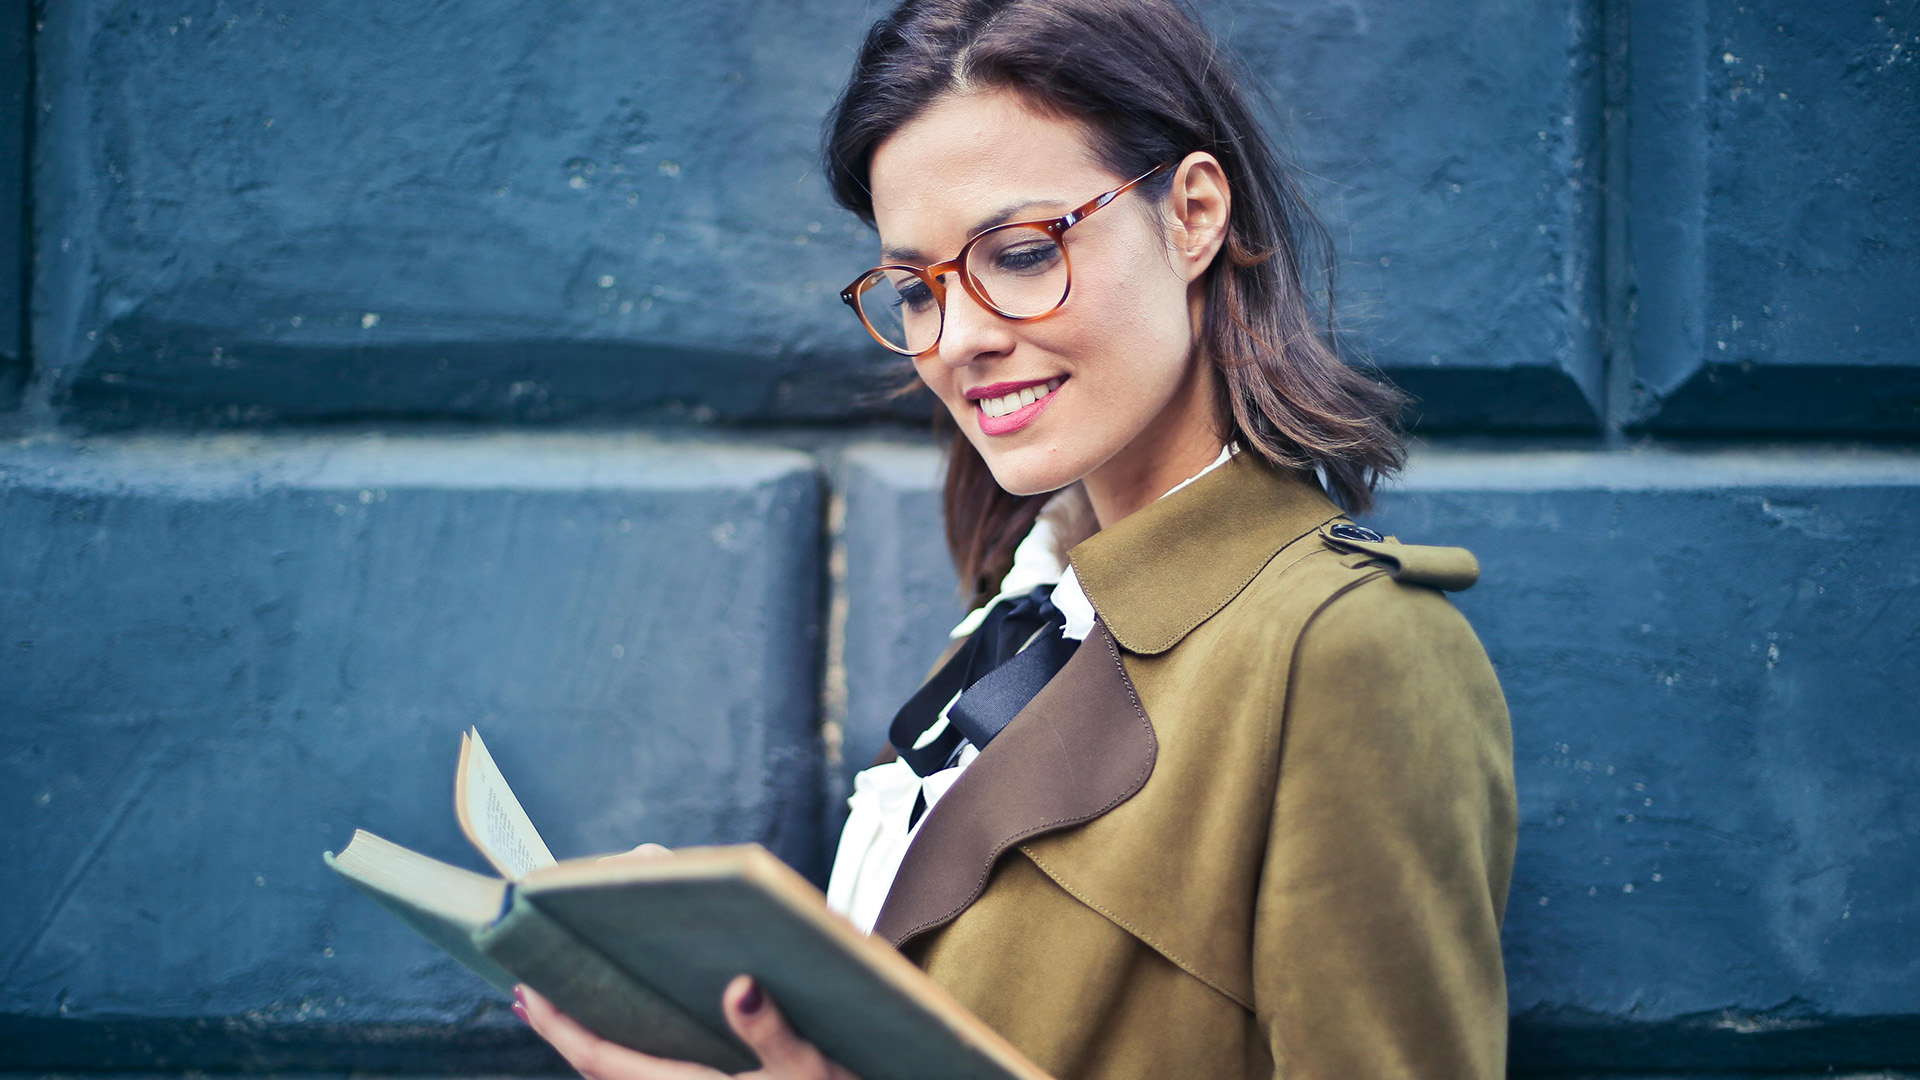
[1151, 85]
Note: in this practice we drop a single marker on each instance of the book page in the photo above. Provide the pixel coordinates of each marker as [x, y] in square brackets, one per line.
[491, 816]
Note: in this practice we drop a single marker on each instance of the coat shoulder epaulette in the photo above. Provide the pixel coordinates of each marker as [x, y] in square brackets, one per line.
[1449, 568]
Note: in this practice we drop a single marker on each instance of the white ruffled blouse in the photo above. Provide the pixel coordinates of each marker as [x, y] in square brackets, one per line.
[880, 810]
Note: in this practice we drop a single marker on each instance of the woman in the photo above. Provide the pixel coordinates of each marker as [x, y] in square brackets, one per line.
[1217, 784]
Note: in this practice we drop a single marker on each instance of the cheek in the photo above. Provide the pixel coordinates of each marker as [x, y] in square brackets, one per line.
[937, 376]
[1156, 304]
[1130, 325]
[945, 384]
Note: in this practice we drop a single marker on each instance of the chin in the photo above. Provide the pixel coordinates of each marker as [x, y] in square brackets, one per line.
[1031, 470]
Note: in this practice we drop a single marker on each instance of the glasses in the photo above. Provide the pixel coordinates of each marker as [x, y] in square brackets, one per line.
[1018, 271]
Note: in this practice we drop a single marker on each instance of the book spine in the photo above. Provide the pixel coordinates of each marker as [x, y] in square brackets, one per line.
[610, 1001]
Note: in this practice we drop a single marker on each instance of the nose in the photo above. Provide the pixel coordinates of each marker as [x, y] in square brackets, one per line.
[969, 332]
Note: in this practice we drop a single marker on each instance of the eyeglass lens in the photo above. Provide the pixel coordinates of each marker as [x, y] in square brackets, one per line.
[1020, 269]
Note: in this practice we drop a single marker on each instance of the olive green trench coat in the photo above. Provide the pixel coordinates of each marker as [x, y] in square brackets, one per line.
[1261, 824]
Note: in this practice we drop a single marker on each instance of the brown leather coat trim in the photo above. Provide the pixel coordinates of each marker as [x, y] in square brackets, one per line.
[1081, 747]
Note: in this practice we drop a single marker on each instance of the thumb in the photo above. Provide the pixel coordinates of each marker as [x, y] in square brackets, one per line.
[639, 854]
[759, 1023]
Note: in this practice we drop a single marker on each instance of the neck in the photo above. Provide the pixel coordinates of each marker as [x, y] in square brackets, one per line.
[1179, 443]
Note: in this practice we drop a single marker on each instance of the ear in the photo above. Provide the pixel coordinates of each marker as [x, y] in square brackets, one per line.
[1197, 206]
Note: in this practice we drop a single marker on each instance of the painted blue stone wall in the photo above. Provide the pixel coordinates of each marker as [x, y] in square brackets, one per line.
[1778, 264]
[221, 656]
[1456, 148]
[368, 372]
[1714, 737]
[16, 57]
[496, 209]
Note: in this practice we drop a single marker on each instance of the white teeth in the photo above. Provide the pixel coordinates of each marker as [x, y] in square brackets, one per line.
[1001, 406]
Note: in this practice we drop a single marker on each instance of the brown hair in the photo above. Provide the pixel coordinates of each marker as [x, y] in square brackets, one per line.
[1152, 86]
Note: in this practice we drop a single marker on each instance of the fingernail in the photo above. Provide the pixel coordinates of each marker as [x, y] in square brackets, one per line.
[751, 1001]
[520, 995]
[520, 1011]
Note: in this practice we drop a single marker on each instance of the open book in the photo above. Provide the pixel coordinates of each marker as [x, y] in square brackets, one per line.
[639, 950]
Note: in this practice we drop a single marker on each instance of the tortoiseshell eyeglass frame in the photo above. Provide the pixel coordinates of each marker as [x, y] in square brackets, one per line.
[932, 275]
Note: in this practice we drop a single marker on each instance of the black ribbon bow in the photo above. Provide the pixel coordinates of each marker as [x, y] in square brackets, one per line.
[994, 676]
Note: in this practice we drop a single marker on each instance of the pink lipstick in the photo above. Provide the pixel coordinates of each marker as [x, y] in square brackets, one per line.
[1004, 408]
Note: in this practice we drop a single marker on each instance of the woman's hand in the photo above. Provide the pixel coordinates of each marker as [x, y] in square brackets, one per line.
[639, 854]
[756, 1019]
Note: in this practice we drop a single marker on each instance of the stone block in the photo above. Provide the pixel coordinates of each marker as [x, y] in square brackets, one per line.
[1708, 658]
[901, 591]
[1454, 150]
[222, 655]
[16, 67]
[1776, 222]
[500, 211]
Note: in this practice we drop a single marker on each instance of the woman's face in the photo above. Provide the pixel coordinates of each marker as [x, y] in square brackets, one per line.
[1123, 399]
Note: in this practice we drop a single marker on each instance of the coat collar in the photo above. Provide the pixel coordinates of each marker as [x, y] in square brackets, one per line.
[1085, 744]
[1169, 566]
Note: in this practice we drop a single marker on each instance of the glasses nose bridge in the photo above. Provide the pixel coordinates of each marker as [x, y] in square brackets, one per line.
[936, 278]
[967, 320]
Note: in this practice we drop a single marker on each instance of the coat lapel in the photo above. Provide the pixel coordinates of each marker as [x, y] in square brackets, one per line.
[1081, 747]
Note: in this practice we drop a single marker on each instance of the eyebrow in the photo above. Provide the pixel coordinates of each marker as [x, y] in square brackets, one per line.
[1001, 217]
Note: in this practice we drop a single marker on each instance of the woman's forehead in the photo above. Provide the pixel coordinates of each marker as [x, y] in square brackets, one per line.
[969, 158]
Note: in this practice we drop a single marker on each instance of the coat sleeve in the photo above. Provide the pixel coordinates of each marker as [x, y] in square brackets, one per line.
[1377, 922]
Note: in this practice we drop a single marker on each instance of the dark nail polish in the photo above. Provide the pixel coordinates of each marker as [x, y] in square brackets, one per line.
[751, 1001]
[520, 1011]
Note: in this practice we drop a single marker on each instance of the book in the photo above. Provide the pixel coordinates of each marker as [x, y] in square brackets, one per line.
[639, 949]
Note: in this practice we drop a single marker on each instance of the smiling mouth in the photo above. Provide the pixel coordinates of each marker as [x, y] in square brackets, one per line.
[1019, 399]
[1004, 414]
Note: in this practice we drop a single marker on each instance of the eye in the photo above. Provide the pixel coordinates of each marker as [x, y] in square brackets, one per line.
[914, 295]
[1027, 257]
